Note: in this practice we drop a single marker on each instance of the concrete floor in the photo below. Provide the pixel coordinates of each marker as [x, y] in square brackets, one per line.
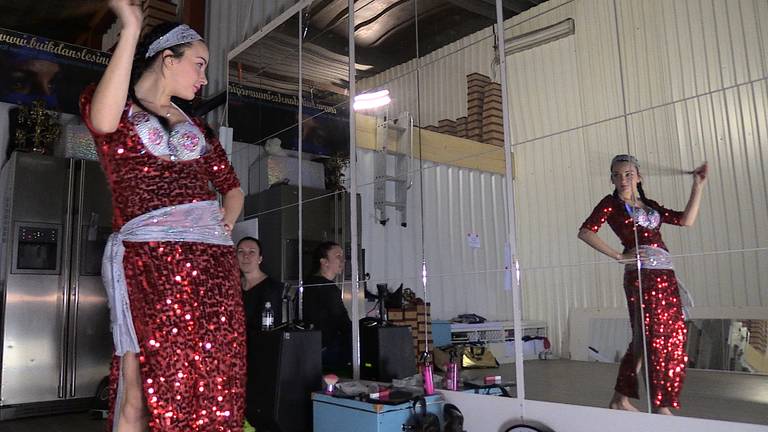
[706, 394]
[79, 422]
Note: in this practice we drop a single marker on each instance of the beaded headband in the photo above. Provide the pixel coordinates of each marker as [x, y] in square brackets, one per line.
[626, 158]
[177, 36]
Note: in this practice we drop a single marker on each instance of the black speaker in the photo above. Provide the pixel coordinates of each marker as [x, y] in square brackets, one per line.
[386, 353]
[284, 368]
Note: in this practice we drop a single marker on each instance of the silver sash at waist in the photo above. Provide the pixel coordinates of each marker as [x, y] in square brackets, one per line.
[659, 259]
[194, 222]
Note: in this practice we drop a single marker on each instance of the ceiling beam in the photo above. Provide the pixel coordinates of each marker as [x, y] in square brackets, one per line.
[514, 6]
[478, 8]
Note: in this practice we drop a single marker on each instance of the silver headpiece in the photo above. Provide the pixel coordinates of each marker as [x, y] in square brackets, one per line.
[179, 35]
[626, 158]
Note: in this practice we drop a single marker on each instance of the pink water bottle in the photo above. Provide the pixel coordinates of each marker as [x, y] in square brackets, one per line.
[426, 373]
[452, 375]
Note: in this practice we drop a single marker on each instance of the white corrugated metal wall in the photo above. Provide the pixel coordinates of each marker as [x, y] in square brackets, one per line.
[675, 83]
[693, 74]
[565, 97]
[457, 201]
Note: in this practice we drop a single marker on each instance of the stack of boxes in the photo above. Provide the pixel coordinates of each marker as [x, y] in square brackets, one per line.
[493, 122]
[158, 11]
[419, 319]
[484, 120]
[476, 84]
[447, 127]
[461, 127]
[758, 334]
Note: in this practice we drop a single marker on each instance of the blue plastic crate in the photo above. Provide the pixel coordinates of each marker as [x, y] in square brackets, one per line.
[331, 414]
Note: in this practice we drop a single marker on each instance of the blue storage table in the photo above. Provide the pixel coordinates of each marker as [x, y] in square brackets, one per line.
[331, 414]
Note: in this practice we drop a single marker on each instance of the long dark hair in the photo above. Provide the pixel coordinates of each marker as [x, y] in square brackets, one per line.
[321, 251]
[141, 63]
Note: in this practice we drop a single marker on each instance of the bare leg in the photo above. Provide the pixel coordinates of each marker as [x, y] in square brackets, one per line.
[620, 401]
[133, 412]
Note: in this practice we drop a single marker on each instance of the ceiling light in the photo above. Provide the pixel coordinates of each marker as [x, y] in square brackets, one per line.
[371, 100]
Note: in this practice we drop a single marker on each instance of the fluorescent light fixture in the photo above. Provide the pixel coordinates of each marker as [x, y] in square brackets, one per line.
[371, 100]
[529, 40]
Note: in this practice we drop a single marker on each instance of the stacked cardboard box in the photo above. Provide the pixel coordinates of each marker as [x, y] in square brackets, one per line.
[758, 334]
[476, 85]
[447, 126]
[484, 121]
[419, 320]
[461, 127]
[493, 123]
[157, 12]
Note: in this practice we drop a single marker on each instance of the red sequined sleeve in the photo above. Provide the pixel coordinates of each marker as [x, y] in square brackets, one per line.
[668, 216]
[217, 166]
[599, 215]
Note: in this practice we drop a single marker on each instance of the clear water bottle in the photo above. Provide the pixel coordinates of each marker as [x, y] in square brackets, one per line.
[267, 317]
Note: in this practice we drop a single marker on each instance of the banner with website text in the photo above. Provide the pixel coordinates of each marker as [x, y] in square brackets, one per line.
[33, 68]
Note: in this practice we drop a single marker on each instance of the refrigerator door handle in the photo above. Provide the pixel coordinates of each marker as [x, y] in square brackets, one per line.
[75, 280]
[65, 279]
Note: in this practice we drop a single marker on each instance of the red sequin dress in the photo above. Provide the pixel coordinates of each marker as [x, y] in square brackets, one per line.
[185, 296]
[665, 329]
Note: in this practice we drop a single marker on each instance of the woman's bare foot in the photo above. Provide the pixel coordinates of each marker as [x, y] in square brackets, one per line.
[663, 411]
[621, 402]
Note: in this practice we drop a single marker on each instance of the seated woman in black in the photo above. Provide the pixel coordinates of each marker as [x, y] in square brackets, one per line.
[258, 287]
[324, 309]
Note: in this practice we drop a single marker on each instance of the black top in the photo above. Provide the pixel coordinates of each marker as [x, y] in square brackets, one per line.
[324, 309]
[268, 290]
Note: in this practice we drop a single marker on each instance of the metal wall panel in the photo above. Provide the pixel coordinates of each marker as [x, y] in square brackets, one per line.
[457, 201]
[694, 88]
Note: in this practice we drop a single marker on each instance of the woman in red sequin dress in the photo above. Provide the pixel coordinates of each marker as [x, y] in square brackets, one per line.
[170, 269]
[635, 219]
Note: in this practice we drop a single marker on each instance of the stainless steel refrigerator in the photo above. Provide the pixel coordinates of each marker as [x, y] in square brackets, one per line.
[55, 216]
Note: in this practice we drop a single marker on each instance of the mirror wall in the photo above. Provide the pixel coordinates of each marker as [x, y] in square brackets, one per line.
[431, 161]
[674, 85]
[326, 204]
